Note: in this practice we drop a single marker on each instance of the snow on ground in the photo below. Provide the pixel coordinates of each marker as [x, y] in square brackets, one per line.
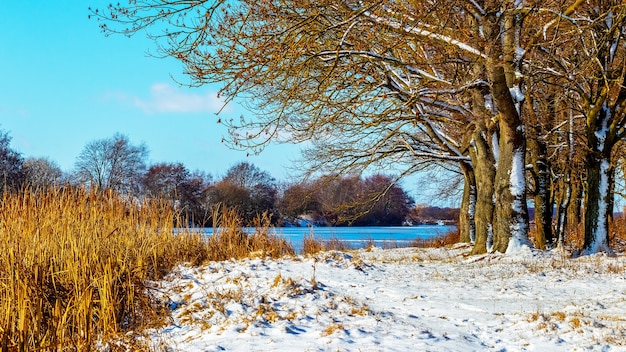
[398, 300]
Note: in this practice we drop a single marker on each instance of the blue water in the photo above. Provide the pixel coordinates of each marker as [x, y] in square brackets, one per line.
[359, 237]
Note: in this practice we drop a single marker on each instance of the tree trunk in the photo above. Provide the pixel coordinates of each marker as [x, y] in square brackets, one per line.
[562, 207]
[574, 210]
[467, 226]
[511, 211]
[598, 203]
[484, 172]
[511, 216]
[542, 196]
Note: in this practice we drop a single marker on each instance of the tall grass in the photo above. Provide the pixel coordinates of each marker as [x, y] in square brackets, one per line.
[74, 265]
[230, 241]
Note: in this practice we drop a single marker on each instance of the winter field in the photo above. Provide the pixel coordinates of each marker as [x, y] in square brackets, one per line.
[406, 299]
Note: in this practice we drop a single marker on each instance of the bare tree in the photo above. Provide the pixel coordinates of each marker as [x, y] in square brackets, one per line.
[164, 180]
[112, 163]
[41, 173]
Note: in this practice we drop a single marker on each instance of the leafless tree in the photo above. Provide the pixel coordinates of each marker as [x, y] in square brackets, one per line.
[112, 163]
[42, 173]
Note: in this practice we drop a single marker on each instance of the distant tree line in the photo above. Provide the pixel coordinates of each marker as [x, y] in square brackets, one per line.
[116, 164]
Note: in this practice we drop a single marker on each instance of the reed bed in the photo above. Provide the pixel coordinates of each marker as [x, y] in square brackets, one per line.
[230, 241]
[74, 266]
[312, 244]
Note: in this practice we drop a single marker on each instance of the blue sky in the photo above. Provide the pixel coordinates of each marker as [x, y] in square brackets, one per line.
[63, 84]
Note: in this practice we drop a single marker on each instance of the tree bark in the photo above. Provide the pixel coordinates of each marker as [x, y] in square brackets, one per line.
[511, 216]
[467, 226]
[484, 172]
[598, 202]
[542, 197]
[563, 206]
[511, 211]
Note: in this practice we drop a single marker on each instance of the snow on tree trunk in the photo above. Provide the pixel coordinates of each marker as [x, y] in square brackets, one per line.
[518, 225]
[511, 210]
[598, 204]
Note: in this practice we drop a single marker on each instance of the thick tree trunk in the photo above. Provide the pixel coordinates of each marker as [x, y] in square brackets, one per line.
[467, 226]
[511, 211]
[484, 172]
[598, 203]
[511, 216]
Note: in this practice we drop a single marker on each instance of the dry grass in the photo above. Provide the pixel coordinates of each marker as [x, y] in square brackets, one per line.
[230, 241]
[444, 240]
[75, 265]
[312, 244]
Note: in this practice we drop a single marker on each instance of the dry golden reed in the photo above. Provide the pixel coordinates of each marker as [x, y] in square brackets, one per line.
[312, 244]
[75, 265]
[230, 241]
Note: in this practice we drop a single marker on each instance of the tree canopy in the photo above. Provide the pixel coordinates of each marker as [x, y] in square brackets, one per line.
[475, 86]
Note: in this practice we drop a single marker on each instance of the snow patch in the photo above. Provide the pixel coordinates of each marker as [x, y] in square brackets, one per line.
[438, 299]
[489, 243]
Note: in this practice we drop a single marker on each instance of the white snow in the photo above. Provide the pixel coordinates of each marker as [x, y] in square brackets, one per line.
[518, 97]
[518, 181]
[398, 300]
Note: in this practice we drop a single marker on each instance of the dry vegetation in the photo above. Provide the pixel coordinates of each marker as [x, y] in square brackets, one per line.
[312, 244]
[74, 266]
[446, 239]
[230, 241]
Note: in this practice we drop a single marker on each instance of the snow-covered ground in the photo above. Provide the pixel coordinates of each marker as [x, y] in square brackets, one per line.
[398, 300]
